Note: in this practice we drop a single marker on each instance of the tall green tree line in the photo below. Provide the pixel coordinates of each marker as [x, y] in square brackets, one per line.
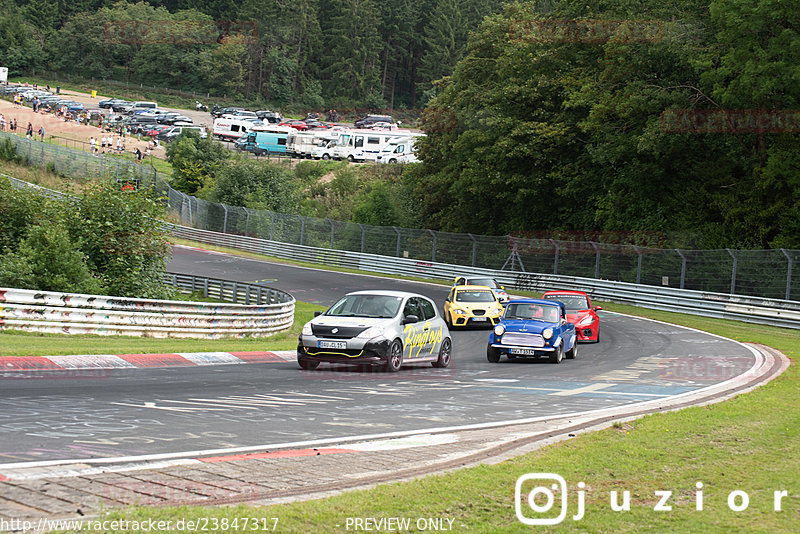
[314, 53]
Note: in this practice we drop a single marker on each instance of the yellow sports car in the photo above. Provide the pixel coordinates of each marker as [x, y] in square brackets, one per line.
[472, 305]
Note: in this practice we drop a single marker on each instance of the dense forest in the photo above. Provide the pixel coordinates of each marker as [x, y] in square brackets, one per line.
[313, 53]
[676, 119]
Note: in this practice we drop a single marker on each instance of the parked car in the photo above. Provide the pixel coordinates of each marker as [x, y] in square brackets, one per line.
[533, 328]
[369, 120]
[296, 124]
[172, 117]
[108, 103]
[172, 133]
[378, 328]
[317, 124]
[157, 129]
[241, 143]
[477, 280]
[579, 312]
[272, 117]
[120, 105]
[225, 111]
[472, 306]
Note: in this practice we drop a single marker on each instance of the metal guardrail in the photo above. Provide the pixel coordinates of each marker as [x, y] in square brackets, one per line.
[774, 312]
[265, 311]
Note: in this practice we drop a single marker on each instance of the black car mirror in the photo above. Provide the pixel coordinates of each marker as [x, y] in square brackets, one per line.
[408, 319]
[317, 313]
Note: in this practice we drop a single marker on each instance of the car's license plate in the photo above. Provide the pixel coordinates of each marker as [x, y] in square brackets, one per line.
[524, 352]
[332, 344]
[479, 318]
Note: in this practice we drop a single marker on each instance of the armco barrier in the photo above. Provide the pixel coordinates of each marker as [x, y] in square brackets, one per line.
[784, 313]
[65, 313]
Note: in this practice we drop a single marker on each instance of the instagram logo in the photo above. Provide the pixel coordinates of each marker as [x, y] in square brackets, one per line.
[538, 492]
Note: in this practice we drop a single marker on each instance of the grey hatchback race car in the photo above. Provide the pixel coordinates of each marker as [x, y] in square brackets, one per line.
[379, 328]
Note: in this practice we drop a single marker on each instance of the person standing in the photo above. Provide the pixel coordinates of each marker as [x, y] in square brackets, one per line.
[41, 132]
[92, 145]
[119, 145]
[29, 132]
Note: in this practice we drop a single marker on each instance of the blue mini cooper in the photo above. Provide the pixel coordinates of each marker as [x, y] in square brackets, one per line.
[532, 328]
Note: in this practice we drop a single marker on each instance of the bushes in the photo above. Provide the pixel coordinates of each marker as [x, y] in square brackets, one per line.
[105, 242]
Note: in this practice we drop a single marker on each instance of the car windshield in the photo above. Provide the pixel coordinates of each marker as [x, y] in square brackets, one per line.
[381, 306]
[480, 295]
[571, 302]
[489, 282]
[526, 310]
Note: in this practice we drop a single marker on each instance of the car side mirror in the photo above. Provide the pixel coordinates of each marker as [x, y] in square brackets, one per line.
[598, 308]
[317, 313]
[408, 319]
[447, 299]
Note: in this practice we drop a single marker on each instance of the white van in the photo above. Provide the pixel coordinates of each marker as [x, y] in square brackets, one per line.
[140, 107]
[325, 146]
[400, 150]
[302, 144]
[231, 129]
[363, 145]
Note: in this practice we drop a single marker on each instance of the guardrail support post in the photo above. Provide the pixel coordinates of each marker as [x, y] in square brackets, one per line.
[555, 257]
[225, 221]
[788, 274]
[474, 248]
[733, 271]
[683, 266]
[205, 287]
[331, 223]
[433, 253]
[397, 253]
[596, 259]
[363, 236]
[247, 221]
[638, 265]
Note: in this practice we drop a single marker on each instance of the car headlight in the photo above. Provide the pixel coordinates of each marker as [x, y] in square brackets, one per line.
[458, 311]
[372, 331]
[586, 321]
[307, 329]
[499, 330]
[548, 333]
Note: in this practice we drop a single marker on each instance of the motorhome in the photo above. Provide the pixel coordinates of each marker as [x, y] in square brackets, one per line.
[400, 150]
[302, 144]
[269, 139]
[232, 129]
[324, 148]
[363, 145]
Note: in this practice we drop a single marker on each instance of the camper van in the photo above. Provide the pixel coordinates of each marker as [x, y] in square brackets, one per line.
[400, 150]
[232, 129]
[302, 144]
[325, 146]
[267, 139]
[362, 145]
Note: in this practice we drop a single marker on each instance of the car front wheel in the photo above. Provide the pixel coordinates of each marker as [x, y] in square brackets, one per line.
[444, 354]
[308, 365]
[557, 355]
[395, 359]
[492, 354]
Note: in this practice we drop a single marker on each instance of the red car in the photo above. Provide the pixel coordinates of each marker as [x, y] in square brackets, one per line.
[580, 312]
[296, 124]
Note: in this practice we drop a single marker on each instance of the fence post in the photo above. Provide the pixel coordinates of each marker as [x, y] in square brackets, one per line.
[433, 253]
[788, 274]
[302, 229]
[683, 266]
[363, 237]
[272, 225]
[247, 221]
[225, 221]
[596, 259]
[638, 265]
[474, 248]
[555, 256]
[397, 252]
[331, 223]
[733, 271]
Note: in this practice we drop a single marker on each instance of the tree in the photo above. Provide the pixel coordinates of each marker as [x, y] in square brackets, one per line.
[257, 185]
[195, 162]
